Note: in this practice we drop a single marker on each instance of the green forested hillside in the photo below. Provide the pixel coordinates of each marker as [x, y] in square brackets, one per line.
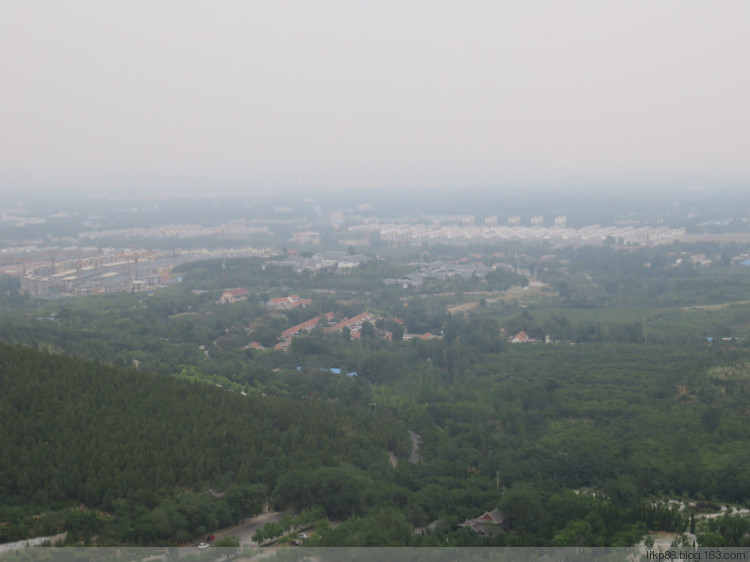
[519, 429]
[79, 432]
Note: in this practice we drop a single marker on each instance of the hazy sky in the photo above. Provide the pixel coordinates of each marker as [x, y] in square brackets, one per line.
[218, 94]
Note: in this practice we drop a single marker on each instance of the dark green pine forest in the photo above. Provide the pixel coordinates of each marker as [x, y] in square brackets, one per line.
[137, 450]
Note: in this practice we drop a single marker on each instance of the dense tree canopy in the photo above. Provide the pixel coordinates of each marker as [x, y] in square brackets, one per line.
[642, 394]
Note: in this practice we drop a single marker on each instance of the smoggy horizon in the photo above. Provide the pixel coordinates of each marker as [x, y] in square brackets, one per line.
[238, 97]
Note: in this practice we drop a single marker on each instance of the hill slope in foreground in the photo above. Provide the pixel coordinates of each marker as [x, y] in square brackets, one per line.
[135, 453]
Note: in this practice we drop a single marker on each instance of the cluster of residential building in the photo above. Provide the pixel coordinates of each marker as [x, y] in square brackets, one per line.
[19, 217]
[354, 325]
[112, 270]
[323, 260]
[108, 273]
[329, 325]
[306, 238]
[458, 235]
[232, 229]
[289, 334]
[441, 271]
[28, 258]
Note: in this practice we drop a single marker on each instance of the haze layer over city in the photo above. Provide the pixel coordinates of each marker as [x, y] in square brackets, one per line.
[248, 97]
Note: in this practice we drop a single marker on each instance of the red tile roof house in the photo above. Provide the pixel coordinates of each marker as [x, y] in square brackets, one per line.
[520, 337]
[486, 524]
[234, 295]
[354, 324]
[304, 327]
[288, 334]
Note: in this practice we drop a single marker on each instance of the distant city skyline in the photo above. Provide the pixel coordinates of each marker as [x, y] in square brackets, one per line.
[256, 97]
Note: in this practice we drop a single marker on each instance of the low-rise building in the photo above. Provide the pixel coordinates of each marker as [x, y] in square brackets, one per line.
[488, 523]
[234, 295]
[521, 337]
[287, 303]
